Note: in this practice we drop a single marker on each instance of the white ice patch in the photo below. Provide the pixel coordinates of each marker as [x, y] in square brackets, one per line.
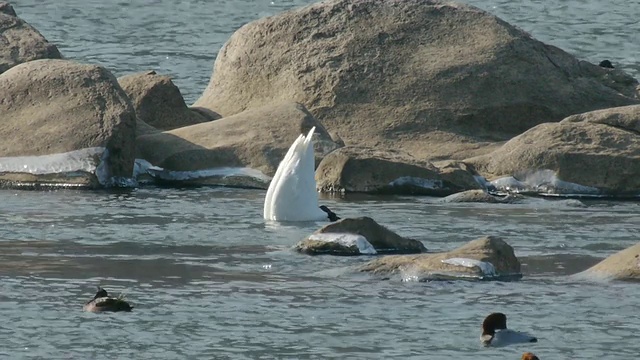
[89, 160]
[487, 268]
[143, 166]
[347, 240]
[510, 184]
[417, 182]
[86, 160]
[544, 182]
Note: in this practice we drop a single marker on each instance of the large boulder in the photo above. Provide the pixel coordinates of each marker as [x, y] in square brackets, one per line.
[58, 116]
[437, 80]
[361, 169]
[623, 265]
[158, 101]
[486, 258]
[20, 42]
[357, 236]
[256, 139]
[599, 150]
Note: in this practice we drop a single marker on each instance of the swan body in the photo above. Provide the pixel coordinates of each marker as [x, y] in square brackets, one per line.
[292, 194]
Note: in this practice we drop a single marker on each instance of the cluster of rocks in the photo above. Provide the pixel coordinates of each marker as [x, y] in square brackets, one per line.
[410, 97]
[485, 258]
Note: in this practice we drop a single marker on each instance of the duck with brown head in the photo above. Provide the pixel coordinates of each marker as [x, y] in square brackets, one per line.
[102, 302]
[496, 334]
[529, 356]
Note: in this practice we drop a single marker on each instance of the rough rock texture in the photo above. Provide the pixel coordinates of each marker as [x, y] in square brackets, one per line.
[56, 106]
[257, 138]
[383, 240]
[599, 149]
[480, 196]
[158, 102]
[623, 265]
[360, 169]
[436, 80]
[7, 9]
[488, 249]
[20, 42]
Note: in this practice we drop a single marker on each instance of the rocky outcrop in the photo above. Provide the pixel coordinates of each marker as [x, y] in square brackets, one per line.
[486, 258]
[53, 107]
[623, 265]
[20, 42]
[433, 79]
[158, 102]
[359, 169]
[599, 150]
[256, 139]
[357, 236]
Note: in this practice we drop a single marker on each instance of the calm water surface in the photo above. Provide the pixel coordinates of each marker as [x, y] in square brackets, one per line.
[210, 279]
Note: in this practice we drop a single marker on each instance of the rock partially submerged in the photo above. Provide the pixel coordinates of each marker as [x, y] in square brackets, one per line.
[480, 196]
[357, 236]
[367, 170]
[595, 153]
[623, 265]
[59, 116]
[158, 102]
[255, 140]
[486, 258]
[437, 80]
[20, 42]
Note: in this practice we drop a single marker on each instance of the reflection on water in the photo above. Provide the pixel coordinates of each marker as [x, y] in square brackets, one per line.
[208, 278]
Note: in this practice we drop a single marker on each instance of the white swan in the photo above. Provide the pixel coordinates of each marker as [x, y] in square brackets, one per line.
[292, 194]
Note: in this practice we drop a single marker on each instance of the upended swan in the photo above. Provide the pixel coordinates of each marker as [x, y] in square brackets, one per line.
[292, 194]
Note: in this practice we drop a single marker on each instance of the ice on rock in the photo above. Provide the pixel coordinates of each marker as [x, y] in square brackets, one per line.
[347, 240]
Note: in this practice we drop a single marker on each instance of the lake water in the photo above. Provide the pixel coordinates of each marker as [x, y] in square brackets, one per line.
[210, 279]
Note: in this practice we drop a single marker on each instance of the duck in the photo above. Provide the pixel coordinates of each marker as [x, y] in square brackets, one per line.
[529, 356]
[292, 194]
[103, 302]
[496, 334]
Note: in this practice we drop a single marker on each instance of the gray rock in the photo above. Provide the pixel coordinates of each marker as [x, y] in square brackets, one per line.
[258, 139]
[20, 42]
[486, 258]
[158, 102]
[480, 196]
[623, 265]
[599, 150]
[437, 80]
[367, 170]
[383, 240]
[57, 106]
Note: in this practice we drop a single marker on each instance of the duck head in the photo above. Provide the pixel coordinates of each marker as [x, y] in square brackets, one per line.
[529, 356]
[101, 293]
[493, 322]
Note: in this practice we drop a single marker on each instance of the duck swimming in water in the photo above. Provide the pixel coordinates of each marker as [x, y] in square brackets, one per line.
[292, 194]
[496, 334]
[102, 302]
